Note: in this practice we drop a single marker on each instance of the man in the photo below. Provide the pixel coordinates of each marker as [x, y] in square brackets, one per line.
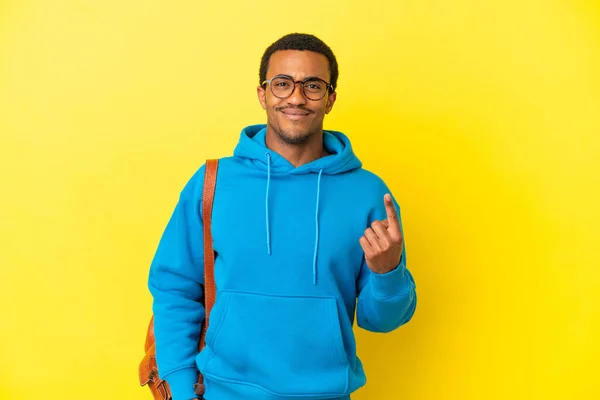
[301, 232]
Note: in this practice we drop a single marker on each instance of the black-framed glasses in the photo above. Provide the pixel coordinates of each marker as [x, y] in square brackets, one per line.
[282, 86]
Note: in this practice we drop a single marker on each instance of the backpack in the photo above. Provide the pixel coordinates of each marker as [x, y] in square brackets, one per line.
[148, 369]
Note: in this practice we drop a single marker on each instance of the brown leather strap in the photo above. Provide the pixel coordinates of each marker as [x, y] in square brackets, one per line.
[208, 193]
[210, 181]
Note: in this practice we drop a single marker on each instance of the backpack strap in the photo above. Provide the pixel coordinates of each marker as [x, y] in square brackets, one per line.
[208, 194]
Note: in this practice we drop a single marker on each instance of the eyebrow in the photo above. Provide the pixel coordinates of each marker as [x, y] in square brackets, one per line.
[305, 79]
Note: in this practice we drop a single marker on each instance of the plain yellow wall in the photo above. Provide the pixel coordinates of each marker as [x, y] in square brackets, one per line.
[482, 116]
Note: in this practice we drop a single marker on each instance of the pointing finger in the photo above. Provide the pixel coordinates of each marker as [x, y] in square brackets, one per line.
[392, 216]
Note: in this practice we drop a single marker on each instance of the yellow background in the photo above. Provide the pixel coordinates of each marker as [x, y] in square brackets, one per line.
[482, 116]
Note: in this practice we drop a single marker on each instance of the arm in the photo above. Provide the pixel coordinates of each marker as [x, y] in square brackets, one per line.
[387, 298]
[175, 279]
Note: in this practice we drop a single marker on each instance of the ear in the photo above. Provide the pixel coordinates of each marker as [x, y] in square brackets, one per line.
[330, 102]
[260, 91]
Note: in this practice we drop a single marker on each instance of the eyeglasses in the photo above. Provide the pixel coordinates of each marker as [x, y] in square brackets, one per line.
[282, 86]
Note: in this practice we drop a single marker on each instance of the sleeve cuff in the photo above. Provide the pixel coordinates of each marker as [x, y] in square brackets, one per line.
[393, 283]
[181, 383]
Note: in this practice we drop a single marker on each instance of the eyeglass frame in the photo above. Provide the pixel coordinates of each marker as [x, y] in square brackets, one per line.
[302, 82]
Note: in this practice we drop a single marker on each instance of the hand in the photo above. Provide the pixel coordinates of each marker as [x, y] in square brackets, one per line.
[383, 242]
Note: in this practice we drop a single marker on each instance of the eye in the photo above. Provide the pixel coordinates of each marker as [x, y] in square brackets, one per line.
[315, 85]
[281, 82]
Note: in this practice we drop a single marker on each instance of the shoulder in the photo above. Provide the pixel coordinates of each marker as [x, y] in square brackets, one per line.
[371, 191]
[370, 183]
[194, 186]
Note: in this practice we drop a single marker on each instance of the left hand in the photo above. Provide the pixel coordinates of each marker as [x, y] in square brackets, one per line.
[383, 241]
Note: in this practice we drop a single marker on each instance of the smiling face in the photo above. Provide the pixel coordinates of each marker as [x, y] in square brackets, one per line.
[296, 119]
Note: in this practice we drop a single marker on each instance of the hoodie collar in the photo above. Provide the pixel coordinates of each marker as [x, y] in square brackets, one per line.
[252, 146]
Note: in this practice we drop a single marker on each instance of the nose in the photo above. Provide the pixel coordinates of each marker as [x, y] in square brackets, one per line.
[297, 97]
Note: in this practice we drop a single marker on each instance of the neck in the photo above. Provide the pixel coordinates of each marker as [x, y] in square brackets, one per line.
[297, 154]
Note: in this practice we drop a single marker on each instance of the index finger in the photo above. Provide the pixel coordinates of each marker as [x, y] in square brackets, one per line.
[392, 216]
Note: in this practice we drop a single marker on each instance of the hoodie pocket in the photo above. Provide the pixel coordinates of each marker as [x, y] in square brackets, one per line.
[284, 345]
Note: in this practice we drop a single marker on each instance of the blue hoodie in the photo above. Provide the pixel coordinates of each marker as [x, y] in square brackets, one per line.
[289, 269]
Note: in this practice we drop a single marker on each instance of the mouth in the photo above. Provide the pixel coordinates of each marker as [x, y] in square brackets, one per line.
[295, 114]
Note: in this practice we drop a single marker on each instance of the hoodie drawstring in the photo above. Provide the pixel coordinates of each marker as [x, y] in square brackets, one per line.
[268, 155]
[316, 229]
[267, 201]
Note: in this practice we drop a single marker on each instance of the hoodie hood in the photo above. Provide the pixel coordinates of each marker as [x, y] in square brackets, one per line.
[252, 146]
[342, 158]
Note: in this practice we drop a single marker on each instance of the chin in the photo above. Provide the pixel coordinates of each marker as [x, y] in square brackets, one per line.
[294, 136]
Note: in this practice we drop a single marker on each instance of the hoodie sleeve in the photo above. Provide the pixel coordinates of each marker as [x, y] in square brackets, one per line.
[175, 279]
[385, 301]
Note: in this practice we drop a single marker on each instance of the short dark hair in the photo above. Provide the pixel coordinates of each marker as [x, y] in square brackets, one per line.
[302, 42]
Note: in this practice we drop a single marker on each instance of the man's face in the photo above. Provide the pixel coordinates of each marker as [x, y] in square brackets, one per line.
[296, 118]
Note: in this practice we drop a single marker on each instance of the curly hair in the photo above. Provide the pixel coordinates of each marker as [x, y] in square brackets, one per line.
[302, 42]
